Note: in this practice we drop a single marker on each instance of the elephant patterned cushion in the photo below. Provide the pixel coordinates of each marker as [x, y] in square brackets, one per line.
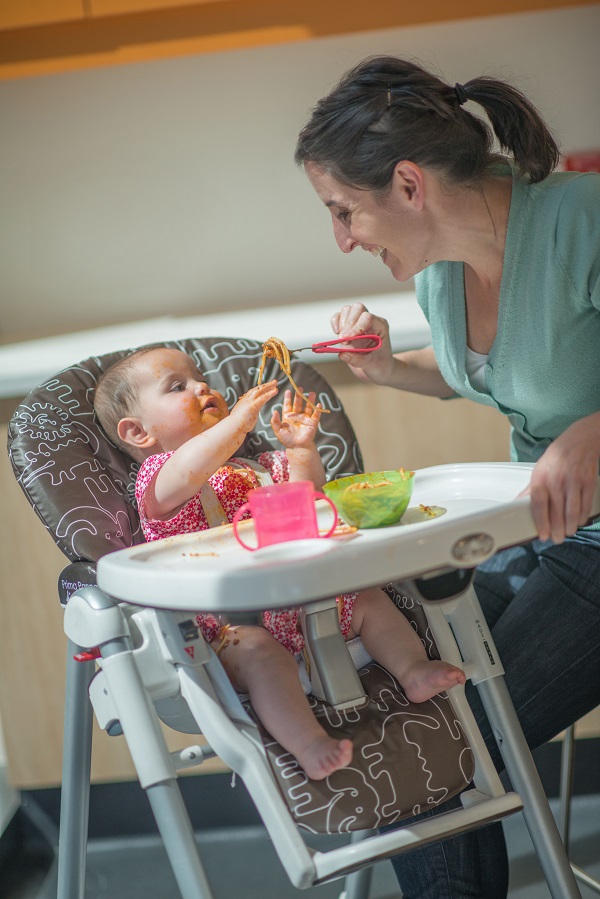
[407, 758]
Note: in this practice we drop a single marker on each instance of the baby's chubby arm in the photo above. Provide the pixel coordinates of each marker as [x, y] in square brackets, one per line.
[193, 463]
[296, 428]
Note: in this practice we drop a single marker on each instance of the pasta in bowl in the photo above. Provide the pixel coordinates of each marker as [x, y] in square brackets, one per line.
[376, 499]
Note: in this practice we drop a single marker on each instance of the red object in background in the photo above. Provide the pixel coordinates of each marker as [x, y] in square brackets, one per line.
[585, 161]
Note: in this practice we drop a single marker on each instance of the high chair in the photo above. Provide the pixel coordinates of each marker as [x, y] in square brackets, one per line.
[135, 656]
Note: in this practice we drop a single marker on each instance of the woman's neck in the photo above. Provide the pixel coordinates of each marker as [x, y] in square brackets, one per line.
[474, 225]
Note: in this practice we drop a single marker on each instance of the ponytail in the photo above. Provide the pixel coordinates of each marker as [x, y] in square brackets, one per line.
[518, 126]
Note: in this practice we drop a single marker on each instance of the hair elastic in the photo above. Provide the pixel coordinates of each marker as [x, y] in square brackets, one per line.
[460, 93]
[389, 96]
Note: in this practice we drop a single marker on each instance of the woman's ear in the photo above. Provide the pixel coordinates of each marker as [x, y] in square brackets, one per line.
[132, 433]
[409, 182]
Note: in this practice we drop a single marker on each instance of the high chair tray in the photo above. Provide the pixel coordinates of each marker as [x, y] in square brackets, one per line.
[210, 571]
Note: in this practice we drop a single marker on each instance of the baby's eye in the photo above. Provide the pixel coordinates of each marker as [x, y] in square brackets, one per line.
[177, 386]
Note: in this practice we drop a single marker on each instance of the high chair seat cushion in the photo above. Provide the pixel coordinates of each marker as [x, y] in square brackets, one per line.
[407, 758]
[82, 487]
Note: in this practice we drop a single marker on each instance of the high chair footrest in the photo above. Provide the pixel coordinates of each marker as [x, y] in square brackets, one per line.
[352, 857]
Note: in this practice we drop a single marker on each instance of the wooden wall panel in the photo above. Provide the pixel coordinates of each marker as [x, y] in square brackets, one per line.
[28, 13]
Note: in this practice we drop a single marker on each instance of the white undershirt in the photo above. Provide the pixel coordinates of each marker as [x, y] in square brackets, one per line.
[475, 366]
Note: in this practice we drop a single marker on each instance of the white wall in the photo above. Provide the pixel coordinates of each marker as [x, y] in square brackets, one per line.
[170, 186]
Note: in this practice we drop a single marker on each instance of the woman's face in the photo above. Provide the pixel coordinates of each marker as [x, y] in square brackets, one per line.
[391, 228]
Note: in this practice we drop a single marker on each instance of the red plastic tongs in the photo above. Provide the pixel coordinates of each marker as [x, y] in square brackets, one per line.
[331, 346]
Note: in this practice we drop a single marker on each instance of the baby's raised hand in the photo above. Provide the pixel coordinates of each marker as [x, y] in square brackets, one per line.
[296, 425]
[246, 410]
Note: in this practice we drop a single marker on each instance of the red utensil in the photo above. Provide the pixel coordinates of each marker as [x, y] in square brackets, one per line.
[331, 346]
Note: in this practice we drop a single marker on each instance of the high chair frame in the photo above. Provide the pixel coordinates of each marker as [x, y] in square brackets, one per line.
[144, 662]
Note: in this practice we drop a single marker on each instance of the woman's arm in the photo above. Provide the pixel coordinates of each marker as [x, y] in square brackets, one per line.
[416, 370]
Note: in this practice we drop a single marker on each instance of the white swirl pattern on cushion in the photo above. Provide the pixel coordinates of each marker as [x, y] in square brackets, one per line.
[81, 486]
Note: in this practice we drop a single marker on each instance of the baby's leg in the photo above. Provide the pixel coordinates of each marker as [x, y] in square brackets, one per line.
[258, 665]
[389, 638]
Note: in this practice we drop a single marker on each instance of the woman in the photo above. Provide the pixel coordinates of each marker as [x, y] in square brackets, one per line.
[506, 260]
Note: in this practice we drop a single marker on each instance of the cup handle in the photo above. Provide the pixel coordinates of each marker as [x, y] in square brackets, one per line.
[235, 521]
[336, 517]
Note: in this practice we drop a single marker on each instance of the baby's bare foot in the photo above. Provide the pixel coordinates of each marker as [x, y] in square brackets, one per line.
[324, 756]
[425, 679]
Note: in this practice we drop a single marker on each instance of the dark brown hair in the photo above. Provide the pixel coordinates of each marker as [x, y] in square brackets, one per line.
[387, 109]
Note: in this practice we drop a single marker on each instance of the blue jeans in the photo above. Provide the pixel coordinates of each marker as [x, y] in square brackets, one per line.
[542, 603]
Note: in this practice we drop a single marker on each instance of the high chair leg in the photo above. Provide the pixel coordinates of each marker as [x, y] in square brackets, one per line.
[525, 779]
[155, 770]
[75, 790]
[460, 606]
[566, 784]
[358, 884]
[178, 838]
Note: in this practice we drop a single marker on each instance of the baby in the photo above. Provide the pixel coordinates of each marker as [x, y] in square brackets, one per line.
[157, 407]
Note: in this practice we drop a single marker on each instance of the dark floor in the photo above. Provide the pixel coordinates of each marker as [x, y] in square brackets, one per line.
[241, 862]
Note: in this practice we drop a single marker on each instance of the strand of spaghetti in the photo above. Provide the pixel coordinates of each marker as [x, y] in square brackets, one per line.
[274, 348]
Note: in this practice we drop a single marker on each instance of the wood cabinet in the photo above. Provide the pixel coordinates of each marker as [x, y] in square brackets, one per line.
[122, 7]
[79, 34]
[29, 13]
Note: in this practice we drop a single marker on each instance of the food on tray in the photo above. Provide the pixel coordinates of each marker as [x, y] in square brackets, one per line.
[421, 513]
[342, 531]
[372, 500]
[274, 348]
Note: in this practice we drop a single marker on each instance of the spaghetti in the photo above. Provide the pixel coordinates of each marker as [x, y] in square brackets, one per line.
[274, 348]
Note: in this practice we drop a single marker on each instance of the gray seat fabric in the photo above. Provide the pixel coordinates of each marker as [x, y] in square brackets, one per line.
[82, 488]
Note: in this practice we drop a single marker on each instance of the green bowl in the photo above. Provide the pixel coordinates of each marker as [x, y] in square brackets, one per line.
[382, 502]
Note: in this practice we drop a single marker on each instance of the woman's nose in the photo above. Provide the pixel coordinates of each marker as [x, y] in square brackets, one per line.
[343, 238]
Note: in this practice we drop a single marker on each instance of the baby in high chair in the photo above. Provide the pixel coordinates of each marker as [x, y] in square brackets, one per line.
[156, 406]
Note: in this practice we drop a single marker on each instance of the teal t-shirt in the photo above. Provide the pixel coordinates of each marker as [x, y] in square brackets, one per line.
[543, 370]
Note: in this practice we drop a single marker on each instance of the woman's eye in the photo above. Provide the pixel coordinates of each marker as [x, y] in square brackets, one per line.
[343, 216]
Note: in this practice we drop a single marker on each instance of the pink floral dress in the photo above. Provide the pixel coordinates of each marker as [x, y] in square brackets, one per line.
[231, 486]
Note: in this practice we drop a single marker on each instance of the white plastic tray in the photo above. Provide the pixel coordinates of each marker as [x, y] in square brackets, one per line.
[210, 571]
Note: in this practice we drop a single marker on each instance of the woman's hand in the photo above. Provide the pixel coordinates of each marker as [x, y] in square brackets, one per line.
[413, 370]
[564, 479]
[296, 426]
[246, 411]
[377, 366]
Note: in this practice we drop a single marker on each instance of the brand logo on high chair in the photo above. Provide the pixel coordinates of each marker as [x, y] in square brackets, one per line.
[485, 642]
[190, 651]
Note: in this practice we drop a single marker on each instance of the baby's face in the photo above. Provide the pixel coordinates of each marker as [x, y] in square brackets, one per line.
[175, 402]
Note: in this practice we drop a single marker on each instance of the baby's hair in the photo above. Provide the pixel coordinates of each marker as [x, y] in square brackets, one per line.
[116, 395]
[388, 109]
